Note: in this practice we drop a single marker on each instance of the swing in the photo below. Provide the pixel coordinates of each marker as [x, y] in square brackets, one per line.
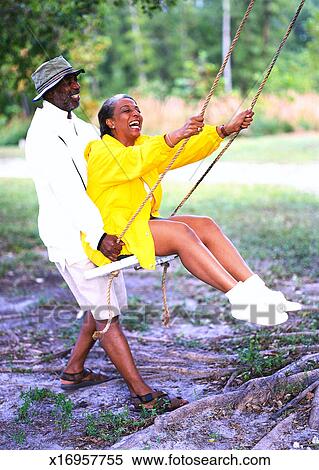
[112, 269]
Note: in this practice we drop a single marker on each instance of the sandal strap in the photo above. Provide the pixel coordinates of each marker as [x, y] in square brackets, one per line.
[76, 377]
[149, 397]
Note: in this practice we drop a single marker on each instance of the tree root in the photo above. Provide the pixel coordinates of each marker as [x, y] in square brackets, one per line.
[206, 358]
[252, 396]
[314, 415]
[271, 439]
[240, 338]
[231, 379]
[297, 399]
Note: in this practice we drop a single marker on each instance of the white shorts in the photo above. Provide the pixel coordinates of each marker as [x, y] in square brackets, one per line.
[91, 294]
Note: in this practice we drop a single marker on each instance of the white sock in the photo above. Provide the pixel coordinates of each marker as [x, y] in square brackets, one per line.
[254, 281]
[234, 291]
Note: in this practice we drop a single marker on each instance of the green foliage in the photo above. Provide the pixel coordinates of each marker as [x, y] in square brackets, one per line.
[266, 126]
[110, 427]
[62, 406]
[13, 132]
[257, 365]
[158, 46]
[19, 436]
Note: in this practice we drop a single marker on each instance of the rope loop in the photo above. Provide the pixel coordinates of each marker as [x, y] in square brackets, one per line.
[111, 277]
[166, 314]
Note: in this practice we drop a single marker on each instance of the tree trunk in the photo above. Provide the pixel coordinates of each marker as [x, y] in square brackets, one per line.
[138, 49]
[226, 44]
[266, 23]
[25, 105]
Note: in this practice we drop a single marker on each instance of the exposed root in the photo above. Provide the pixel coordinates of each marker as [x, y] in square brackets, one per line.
[252, 396]
[314, 415]
[298, 398]
[231, 380]
[206, 358]
[271, 439]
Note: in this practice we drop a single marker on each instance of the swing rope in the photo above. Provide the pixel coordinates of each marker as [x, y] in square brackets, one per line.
[207, 100]
[231, 140]
[252, 105]
[165, 319]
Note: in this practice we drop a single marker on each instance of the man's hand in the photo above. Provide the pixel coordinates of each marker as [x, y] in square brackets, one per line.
[109, 247]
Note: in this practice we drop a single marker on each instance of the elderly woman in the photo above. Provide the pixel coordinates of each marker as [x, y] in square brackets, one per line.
[122, 167]
[125, 164]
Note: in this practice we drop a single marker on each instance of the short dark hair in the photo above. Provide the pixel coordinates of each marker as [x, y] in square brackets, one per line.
[107, 111]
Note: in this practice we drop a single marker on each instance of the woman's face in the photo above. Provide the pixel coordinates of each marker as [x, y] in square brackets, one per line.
[126, 123]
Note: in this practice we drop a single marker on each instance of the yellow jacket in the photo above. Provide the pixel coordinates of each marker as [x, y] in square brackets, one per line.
[116, 184]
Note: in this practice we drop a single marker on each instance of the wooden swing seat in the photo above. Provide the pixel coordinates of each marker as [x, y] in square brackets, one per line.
[127, 262]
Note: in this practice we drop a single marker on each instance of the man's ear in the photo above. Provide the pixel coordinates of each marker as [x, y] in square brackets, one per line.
[110, 123]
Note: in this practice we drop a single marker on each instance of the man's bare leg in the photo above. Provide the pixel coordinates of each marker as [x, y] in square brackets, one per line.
[116, 347]
[82, 346]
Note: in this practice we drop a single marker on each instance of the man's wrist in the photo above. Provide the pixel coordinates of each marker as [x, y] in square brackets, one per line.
[101, 241]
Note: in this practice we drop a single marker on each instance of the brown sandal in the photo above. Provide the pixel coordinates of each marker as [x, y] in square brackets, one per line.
[162, 402]
[85, 378]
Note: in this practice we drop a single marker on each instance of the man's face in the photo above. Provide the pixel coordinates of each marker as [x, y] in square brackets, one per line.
[66, 94]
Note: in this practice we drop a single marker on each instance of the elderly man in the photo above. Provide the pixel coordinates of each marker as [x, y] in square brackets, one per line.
[54, 150]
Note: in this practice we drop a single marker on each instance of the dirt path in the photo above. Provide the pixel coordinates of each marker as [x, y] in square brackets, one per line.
[300, 177]
[195, 357]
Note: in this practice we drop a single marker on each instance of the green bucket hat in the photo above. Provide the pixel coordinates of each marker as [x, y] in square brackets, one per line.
[50, 73]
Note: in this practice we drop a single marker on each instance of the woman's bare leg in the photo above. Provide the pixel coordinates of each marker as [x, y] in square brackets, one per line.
[176, 237]
[218, 244]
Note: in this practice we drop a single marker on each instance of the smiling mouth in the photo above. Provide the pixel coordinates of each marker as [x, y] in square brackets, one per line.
[76, 96]
[135, 125]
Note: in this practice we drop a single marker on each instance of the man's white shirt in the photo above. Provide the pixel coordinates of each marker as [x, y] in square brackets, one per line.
[55, 153]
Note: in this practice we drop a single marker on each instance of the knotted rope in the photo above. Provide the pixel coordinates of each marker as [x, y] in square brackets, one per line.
[99, 334]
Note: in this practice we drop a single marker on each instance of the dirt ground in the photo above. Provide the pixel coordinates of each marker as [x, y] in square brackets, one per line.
[201, 357]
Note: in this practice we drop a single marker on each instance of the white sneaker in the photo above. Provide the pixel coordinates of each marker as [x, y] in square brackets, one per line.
[276, 297]
[276, 318]
[253, 305]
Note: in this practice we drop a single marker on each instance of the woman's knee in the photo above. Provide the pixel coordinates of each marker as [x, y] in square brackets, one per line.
[184, 229]
[209, 227]
[184, 233]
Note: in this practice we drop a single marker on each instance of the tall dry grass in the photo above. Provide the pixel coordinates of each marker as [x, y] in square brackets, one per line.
[297, 112]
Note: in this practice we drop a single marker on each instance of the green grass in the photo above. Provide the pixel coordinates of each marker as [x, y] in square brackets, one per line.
[19, 436]
[270, 223]
[61, 410]
[110, 427]
[11, 151]
[18, 215]
[257, 365]
[283, 148]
